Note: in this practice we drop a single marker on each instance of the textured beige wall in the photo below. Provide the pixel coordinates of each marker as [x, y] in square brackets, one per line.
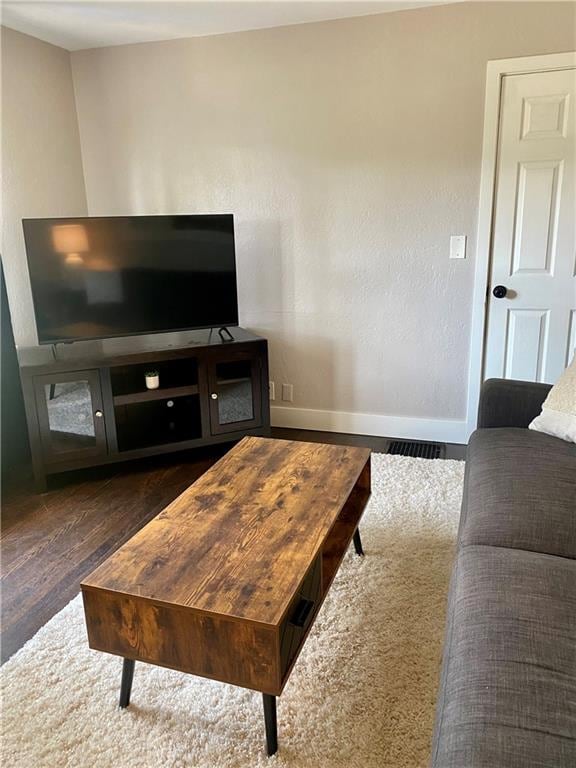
[349, 152]
[41, 162]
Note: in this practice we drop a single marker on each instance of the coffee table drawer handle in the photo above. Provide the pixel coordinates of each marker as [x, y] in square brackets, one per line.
[302, 612]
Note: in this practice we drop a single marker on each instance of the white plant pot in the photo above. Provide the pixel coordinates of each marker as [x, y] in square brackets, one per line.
[152, 382]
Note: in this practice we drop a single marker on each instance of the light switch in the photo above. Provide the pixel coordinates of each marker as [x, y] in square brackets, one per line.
[458, 246]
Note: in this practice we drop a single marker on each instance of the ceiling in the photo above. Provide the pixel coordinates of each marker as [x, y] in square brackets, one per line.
[76, 25]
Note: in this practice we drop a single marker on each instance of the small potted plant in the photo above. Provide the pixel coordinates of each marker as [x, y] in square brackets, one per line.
[152, 379]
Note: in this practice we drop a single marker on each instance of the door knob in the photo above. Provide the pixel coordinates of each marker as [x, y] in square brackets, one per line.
[214, 396]
[499, 291]
[98, 414]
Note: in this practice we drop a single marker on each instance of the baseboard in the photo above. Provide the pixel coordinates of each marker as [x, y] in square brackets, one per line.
[375, 424]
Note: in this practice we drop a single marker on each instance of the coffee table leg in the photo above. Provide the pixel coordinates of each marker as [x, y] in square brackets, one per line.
[358, 542]
[271, 724]
[126, 686]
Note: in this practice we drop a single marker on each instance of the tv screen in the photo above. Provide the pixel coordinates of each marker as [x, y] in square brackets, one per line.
[95, 278]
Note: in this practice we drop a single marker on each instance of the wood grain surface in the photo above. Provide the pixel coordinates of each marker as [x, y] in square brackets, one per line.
[216, 585]
[233, 652]
[239, 542]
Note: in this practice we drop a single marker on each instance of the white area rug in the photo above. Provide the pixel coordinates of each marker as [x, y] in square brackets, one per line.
[362, 693]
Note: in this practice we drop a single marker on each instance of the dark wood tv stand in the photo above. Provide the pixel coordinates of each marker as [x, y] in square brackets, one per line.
[87, 403]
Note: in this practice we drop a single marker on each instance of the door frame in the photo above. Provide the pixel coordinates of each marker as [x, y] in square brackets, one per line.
[495, 72]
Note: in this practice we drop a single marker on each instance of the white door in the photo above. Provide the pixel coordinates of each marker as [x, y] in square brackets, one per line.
[531, 329]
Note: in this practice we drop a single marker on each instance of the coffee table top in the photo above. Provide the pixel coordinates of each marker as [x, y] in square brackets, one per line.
[239, 541]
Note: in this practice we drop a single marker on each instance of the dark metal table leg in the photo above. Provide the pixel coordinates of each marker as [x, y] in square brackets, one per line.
[126, 686]
[271, 723]
[358, 542]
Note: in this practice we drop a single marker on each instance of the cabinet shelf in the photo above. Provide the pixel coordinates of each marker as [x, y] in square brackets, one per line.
[92, 407]
[155, 394]
[160, 421]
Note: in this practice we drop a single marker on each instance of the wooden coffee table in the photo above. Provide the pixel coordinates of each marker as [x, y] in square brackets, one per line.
[226, 582]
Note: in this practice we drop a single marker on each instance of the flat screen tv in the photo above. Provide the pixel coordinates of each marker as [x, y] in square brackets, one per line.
[100, 277]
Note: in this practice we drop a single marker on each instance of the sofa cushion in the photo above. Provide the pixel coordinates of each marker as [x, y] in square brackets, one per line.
[558, 417]
[508, 689]
[520, 492]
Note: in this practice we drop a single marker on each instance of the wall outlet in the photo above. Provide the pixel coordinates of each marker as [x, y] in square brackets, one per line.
[288, 393]
[458, 246]
[271, 390]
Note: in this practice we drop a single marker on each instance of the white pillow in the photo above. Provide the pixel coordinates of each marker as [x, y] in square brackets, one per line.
[558, 417]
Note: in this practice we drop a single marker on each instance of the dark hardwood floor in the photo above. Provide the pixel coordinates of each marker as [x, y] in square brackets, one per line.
[50, 542]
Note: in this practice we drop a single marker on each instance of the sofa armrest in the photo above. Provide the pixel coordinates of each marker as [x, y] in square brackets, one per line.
[509, 403]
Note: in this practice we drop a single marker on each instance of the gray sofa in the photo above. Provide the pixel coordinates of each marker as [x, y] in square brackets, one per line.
[508, 683]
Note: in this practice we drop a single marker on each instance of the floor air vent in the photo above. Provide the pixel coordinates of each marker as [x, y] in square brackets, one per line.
[417, 450]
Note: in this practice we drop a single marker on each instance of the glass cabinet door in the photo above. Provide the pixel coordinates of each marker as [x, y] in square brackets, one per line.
[70, 415]
[235, 398]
